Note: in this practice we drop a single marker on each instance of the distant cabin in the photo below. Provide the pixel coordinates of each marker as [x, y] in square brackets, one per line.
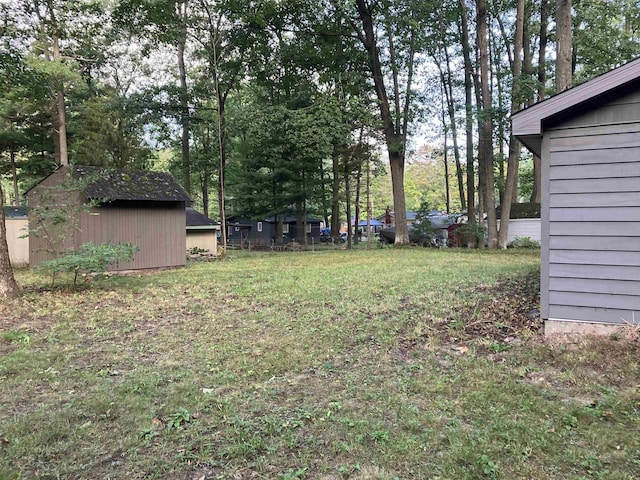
[202, 232]
[588, 138]
[243, 231]
[144, 208]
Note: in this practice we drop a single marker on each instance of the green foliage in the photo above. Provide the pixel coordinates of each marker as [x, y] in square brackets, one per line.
[523, 210]
[178, 419]
[523, 242]
[474, 231]
[88, 258]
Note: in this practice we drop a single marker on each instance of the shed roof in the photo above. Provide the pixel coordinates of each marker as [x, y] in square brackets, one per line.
[528, 124]
[130, 185]
[15, 212]
[197, 220]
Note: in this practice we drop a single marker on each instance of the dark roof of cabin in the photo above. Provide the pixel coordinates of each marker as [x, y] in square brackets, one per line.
[130, 185]
[197, 219]
[15, 212]
[528, 124]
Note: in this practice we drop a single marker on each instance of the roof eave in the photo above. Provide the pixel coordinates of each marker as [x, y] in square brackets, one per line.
[529, 122]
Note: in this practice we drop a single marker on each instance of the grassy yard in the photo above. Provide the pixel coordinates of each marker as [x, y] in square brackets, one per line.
[382, 364]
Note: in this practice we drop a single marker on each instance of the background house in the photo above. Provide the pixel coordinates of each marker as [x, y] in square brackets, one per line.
[16, 220]
[144, 208]
[202, 232]
[588, 138]
[262, 232]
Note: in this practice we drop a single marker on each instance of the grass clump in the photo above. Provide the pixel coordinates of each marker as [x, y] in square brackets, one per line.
[378, 364]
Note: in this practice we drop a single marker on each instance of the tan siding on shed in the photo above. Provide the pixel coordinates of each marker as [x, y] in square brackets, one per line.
[593, 244]
[18, 244]
[159, 233]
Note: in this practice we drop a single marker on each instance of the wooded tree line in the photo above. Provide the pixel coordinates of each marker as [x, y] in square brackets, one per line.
[282, 106]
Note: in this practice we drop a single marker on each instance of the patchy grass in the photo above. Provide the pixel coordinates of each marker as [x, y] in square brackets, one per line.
[381, 364]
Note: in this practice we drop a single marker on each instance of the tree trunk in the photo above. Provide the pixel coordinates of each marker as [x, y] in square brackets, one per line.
[14, 177]
[448, 94]
[356, 227]
[468, 93]
[511, 186]
[394, 129]
[564, 49]
[396, 162]
[59, 116]
[486, 130]
[347, 195]
[542, 80]
[184, 101]
[335, 198]
[8, 285]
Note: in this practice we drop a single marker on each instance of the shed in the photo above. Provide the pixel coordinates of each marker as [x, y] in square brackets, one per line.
[17, 223]
[140, 207]
[202, 232]
[588, 138]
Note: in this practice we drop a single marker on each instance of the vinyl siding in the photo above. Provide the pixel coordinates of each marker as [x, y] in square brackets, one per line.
[523, 228]
[592, 240]
[158, 232]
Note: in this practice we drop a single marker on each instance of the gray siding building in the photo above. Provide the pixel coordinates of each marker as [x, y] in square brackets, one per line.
[588, 138]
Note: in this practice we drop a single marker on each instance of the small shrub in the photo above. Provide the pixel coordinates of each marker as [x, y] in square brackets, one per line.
[523, 242]
[471, 231]
[88, 258]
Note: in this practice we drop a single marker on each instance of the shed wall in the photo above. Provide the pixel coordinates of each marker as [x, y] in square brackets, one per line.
[204, 239]
[18, 247]
[50, 192]
[158, 232]
[592, 240]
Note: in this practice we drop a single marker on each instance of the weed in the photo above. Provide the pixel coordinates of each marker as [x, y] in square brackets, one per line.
[178, 419]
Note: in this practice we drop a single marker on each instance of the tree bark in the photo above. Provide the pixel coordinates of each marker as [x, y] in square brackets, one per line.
[447, 82]
[14, 177]
[356, 227]
[468, 93]
[486, 130]
[511, 184]
[564, 50]
[59, 117]
[395, 138]
[335, 198]
[8, 285]
[186, 161]
[542, 80]
[347, 194]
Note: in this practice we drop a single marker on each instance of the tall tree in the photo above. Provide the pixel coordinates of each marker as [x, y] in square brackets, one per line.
[8, 285]
[468, 95]
[564, 49]
[514, 145]
[485, 123]
[391, 28]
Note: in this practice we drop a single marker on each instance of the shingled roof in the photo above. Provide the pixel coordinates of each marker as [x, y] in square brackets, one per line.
[197, 220]
[15, 212]
[130, 185]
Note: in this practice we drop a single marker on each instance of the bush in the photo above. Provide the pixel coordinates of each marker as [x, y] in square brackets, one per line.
[523, 242]
[522, 210]
[89, 258]
[474, 233]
